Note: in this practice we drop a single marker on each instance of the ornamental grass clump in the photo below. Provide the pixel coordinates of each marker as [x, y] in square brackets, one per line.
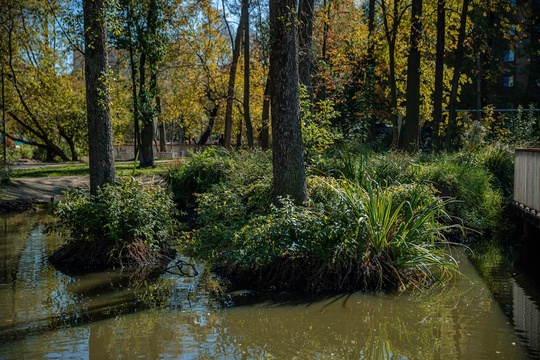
[128, 222]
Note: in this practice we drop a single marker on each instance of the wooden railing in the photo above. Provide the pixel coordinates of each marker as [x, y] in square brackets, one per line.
[527, 180]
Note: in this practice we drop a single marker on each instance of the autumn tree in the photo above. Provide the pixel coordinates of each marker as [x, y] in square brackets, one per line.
[45, 106]
[100, 136]
[288, 163]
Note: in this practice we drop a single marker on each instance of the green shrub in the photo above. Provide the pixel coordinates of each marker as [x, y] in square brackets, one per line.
[335, 242]
[198, 173]
[479, 205]
[127, 222]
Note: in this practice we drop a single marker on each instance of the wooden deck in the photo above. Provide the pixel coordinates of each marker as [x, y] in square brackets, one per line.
[527, 184]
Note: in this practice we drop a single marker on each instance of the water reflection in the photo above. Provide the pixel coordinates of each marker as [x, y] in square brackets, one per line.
[104, 316]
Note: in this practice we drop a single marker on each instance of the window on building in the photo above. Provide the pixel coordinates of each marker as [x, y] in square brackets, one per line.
[508, 81]
[509, 56]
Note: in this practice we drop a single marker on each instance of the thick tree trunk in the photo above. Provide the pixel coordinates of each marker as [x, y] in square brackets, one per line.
[439, 71]
[411, 127]
[288, 162]
[100, 133]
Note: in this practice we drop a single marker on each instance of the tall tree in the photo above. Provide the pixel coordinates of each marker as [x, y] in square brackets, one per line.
[100, 135]
[439, 69]
[410, 131]
[391, 20]
[305, 40]
[247, 116]
[232, 79]
[451, 131]
[288, 162]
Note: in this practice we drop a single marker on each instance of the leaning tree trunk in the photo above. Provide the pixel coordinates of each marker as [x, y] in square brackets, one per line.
[100, 131]
[288, 162]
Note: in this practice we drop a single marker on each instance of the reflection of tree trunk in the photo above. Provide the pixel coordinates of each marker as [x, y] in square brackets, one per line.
[411, 127]
[439, 71]
[230, 87]
[247, 116]
[451, 132]
[265, 130]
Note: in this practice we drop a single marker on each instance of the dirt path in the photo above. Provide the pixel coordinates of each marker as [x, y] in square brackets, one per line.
[41, 189]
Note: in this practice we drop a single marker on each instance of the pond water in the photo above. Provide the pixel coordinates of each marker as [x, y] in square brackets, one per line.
[121, 314]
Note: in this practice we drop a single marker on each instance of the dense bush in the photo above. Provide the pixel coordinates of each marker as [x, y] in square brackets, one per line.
[371, 221]
[198, 174]
[350, 235]
[127, 222]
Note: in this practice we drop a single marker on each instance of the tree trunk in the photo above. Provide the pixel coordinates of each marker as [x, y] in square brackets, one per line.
[247, 116]
[411, 127]
[288, 162]
[451, 131]
[161, 126]
[265, 121]
[100, 133]
[370, 71]
[146, 152]
[305, 39]
[230, 88]
[439, 71]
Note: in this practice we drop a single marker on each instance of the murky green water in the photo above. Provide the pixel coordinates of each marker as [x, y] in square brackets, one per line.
[111, 315]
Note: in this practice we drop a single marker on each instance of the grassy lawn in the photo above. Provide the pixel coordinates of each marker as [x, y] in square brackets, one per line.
[122, 169]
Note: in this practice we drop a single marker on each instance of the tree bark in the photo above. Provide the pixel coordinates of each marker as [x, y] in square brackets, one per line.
[230, 88]
[439, 71]
[370, 71]
[100, 133]
[411, 126]
[305, 40]
[288, 163]
[247, 116]
[451, 131]
[265, 121]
